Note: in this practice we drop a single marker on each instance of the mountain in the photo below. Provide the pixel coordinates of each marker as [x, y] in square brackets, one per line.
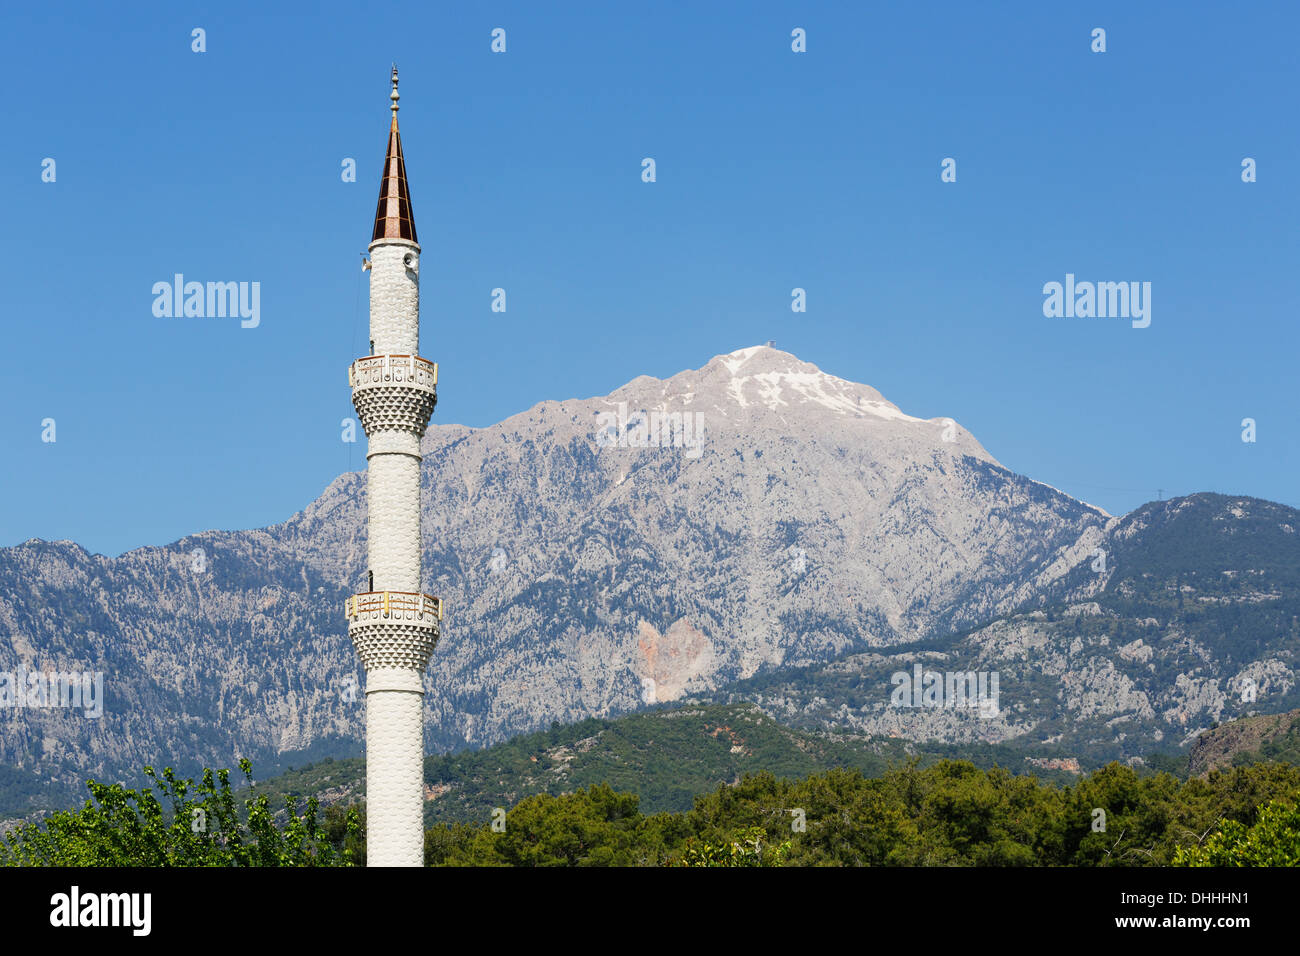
[1269, 737]
[666, 755]
[1192, 618]
[815, 518]
[595, 554]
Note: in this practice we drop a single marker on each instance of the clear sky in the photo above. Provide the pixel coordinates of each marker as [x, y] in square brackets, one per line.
[775, 170]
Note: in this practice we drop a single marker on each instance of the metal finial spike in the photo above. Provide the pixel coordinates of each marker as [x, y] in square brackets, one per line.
[394, 95]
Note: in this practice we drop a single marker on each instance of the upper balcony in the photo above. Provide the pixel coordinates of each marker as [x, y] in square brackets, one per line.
[393, 370]
[394, 392]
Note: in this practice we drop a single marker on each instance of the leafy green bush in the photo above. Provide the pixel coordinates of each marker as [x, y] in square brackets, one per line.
[191, 825]
[747, 847]
[1274, 840]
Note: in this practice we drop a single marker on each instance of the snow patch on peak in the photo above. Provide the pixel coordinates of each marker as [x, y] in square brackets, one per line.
[763, 376]
[734, 360]
[777, 385]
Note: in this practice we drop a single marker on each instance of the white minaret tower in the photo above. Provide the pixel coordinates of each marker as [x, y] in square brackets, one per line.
[394, 625]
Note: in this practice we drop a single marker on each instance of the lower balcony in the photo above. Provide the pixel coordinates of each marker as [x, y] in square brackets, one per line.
[394, 628]
[394, 392]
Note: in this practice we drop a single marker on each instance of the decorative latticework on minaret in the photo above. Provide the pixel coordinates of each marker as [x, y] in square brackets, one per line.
[394, 626]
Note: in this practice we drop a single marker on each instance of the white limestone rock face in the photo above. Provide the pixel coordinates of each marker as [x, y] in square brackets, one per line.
[1097, 688]
[808, 517]
[1137, 651]
[1269, 677]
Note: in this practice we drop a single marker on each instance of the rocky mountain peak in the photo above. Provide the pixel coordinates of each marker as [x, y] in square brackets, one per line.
[766, 376]
[761, 389]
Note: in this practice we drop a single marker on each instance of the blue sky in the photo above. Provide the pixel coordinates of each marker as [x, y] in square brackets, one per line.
[774, 170]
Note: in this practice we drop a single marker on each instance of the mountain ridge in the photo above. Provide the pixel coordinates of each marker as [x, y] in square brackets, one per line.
[584, 576]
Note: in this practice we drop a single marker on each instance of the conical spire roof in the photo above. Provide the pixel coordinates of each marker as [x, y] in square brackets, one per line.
[394, 219]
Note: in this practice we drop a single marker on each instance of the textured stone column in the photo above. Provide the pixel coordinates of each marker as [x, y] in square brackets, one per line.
[393, 496]
[394, 768]
[395, 296]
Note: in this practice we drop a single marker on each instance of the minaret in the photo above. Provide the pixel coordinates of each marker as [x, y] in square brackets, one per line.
[394, 625]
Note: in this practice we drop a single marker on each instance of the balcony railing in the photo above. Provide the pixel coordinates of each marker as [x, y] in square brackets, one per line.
[392, 602]
[393, 370]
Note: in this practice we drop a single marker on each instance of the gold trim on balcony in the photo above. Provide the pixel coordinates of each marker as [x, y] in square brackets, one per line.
[390, 601]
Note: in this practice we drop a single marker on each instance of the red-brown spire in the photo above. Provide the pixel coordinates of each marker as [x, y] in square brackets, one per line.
[394, 219]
